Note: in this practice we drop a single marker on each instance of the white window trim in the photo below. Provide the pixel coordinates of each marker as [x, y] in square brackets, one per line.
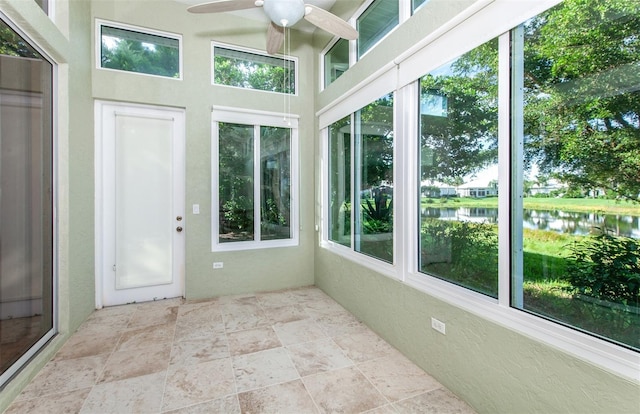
[292, 58]
[602, 353]
[255, 118]
[98, 46]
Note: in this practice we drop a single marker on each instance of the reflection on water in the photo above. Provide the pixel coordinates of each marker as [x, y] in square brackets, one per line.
[556, 220]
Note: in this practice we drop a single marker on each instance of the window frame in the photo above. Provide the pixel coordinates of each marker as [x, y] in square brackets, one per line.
[39, 345]
[362, 10]
[240, 49]
[446, 43]
[99, 23]
[255, 119]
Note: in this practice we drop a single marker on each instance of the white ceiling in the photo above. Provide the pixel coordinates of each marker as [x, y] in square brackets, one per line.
[258, 15]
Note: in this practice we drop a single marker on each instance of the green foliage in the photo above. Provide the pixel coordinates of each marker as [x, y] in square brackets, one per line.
[253, 75]
[12, 45]
[581, 117]
[607, 268]
[463, 252]
[378, 217]
[238, 214]
[465, 139]
[140, 57]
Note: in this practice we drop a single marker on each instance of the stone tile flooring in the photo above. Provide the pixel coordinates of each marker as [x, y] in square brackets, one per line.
[292, 351]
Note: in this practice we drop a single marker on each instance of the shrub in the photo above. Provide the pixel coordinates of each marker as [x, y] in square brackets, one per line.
[606, 267]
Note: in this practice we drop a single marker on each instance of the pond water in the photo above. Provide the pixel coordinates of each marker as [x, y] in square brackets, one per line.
[557, 220]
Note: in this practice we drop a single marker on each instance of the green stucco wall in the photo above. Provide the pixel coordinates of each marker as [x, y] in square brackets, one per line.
[493, 368]
[67, 41]
[244, 271]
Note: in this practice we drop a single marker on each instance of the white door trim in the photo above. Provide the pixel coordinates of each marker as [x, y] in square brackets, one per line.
[101, 181]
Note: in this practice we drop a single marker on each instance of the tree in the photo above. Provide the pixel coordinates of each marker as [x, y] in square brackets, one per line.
[460, 136]
[582, 119]
[137, 56]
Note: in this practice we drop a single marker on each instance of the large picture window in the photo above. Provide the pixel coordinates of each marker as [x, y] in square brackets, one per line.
[26, 206]
[576, 233]
[255, 178]
[362, 219]
[523, 175]
[133, 49]
[458, 171]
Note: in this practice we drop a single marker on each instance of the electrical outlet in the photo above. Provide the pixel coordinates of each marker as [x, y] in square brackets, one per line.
[218, 265]
[438, 326]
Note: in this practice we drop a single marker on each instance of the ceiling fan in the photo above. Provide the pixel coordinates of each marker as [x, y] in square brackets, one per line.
[283, 14]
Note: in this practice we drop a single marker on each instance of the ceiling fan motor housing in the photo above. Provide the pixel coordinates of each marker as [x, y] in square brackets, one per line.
[284, 13]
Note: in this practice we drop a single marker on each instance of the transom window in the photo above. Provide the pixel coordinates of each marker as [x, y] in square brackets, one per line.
[375, 22]
[139, 50]
[253, 70]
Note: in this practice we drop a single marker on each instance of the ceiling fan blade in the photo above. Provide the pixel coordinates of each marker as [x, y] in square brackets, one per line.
[329, 22]
[275, 38]
[220, 6]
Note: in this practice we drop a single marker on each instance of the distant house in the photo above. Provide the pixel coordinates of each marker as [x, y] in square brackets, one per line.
[477, 189]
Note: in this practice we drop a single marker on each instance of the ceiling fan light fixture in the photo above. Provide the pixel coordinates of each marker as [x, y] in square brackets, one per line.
[284, 13]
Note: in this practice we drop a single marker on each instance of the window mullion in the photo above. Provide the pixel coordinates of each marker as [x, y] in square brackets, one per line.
[504, 193]
[356, 178]
[257, 219]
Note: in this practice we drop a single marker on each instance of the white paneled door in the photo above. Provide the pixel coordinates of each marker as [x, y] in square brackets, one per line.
[140, 221]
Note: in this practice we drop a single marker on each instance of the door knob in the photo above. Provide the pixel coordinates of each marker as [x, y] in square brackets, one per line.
[178, 229]
[179, 218]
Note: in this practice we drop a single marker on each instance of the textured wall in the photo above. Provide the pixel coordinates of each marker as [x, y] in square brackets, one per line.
[67, 42]
[493, 368]
[244, 271]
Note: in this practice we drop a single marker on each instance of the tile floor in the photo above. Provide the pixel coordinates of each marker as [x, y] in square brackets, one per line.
[293, 351]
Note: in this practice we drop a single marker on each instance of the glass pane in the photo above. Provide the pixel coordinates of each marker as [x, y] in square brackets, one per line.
[26, 205]
[44, 5]
[139, 52]
[275, 185]
[374, 179]
[336, 61]
[235, 190]
[577, 232]
[253, 71]
[458, 171]
[378, 20]
[340, 182]
[144, 222]
[416, 4]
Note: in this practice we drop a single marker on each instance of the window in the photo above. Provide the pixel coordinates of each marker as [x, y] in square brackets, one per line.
[416, 4]
[252, 70]
[519, 162]
[44, 5]
[27, 288]
[133, 49]
[371, 166]
[336, 61]
[576, 236]
[375, 22]
[255, 176]
[458, 171]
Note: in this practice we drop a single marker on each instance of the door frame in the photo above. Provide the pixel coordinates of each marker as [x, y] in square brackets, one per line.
[100, 209]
